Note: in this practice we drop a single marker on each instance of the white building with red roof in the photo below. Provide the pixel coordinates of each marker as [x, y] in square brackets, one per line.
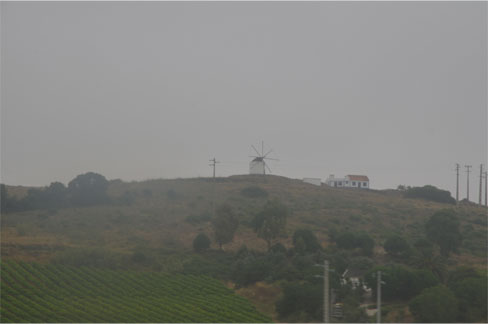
[349, 181]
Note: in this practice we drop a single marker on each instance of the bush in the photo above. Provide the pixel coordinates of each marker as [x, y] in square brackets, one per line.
[301, 299]
[201, 243]
[430, 193]
[349, 240]
[254, 192]
[197, 219]
[472, 294]
[443, 228]
[251, 269]
[397, 247]
[435, 305]
[310, 241]
[401, 282]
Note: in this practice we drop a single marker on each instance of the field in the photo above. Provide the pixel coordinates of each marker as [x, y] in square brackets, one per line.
[53, 293]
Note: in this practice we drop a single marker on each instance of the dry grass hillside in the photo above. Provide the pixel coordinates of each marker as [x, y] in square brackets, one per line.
[168, 214]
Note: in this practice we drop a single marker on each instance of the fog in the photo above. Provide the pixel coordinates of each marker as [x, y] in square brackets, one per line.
[396, 91]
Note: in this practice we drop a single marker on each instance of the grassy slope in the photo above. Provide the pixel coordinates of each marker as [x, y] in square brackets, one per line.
[156, 217]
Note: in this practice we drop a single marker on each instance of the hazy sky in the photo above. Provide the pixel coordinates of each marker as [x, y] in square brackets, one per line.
[393, 90]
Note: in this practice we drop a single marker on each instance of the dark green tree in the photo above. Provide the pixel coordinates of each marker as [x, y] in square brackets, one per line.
[472, 295]
[430, 259]
[201, 243]
[225, 224]
[432, 193]
[443, 229]
[401, 282]
[88, 189]
[270, 223]
[56, 195]
[300, 303]
[435, 305]
[397, 247]
[308, 239]
[3, 197]
[361, 240]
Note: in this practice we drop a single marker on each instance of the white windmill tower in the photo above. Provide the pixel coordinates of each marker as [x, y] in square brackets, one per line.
[258, 164]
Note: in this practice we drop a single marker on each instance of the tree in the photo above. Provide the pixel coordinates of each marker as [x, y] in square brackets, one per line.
[271, 221]
[400, 282]
[301, 303]
[472, 295]
[430, 259]
[56, 195]
[88, 189]
[443, 229]
[305, 239]
[435, 305]
[430, 193]
[397, 246]
[225, 224]
[3, 197]
[349, 240]
[201, 243]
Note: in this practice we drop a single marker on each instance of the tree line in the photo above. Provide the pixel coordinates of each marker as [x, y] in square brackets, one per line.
[84, 190]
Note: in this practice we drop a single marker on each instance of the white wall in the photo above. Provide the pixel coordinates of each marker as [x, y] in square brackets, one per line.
[256, 167]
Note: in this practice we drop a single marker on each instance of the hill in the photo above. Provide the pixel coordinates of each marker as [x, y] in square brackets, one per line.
[167, 214]
[150, 226]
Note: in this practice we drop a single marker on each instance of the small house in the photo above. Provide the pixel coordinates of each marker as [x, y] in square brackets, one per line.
[349, 181]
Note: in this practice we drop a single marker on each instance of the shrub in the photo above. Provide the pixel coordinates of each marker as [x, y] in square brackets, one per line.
[443, 228]
[310, 241]
[397, 246]
[201, 243]
[430, 193]
[303, 299]
[349, 240]
[200, 218]
[401, 282]
[435, 305]
[254, 192]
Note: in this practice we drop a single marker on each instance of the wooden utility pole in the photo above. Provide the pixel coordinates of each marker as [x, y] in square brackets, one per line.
[457, 183]
[213, 164]
[326, 291]
[486, 188]
[378, 297]
[481, 181]
[213, 186]
[467, 188]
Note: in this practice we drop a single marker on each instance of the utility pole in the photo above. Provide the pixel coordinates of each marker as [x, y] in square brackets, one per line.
[467, 171]
[326, 289]
[457, 183]
[378, 297]
[213, 186]
[481, 181]
[213, 164]
[486, 188]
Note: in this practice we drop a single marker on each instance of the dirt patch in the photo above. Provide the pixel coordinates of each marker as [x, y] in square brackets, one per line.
[263, 296]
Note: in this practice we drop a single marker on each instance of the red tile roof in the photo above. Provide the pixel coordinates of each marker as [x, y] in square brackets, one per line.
[357, 177]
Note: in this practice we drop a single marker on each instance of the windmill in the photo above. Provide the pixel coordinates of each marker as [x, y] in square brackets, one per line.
[258, 164]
